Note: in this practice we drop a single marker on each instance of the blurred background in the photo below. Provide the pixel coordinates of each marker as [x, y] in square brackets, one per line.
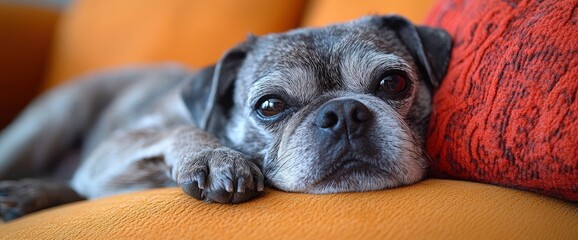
[44, 43]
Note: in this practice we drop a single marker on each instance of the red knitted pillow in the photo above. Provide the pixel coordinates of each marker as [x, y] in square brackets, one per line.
[507, 111]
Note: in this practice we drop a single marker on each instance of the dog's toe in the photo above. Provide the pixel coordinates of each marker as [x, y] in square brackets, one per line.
[193, 190]
[9, 209]
[234, 188]
[245, 196]
[224, 196]
[219, 195]
[195, 182]
[21, 197]
[14, 203]
[10, 214]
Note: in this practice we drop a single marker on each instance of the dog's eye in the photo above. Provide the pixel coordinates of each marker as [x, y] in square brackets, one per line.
[392, 84]
[270, 107]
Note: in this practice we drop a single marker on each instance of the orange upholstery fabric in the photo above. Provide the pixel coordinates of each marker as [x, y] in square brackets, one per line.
[110, 33]
[433, 209]
[25, 41]
[323, 12]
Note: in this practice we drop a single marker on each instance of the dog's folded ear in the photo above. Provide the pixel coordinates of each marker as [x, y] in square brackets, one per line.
[430, 47]
[209, 94]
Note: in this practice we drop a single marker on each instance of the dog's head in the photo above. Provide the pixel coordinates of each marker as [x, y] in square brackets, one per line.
[333, 109]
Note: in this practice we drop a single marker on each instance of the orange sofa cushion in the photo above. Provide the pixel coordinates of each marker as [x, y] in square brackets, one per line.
[432, 209]
[323, 12]
[109, 33]
[507, 111]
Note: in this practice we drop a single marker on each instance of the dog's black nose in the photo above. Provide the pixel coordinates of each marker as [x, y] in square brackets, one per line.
[343, 116]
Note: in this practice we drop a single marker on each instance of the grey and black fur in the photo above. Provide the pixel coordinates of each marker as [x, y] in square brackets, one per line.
[308, 111]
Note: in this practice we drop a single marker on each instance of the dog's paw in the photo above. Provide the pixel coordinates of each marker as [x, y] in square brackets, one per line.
[221, 175]
[18, 198]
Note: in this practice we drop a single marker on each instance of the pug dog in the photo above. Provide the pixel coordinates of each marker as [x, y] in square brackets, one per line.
[343, 108]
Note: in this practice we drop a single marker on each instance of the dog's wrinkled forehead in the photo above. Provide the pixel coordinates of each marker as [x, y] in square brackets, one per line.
[302, 63]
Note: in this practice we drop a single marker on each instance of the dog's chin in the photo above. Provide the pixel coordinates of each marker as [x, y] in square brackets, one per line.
[360, 176]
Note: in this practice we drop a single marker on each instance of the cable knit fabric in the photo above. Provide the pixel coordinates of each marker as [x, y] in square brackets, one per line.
[507, 110]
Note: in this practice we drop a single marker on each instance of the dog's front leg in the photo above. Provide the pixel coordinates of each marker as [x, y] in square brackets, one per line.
[187, 156]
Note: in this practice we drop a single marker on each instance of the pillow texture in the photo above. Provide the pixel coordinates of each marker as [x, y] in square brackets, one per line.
[507, 111]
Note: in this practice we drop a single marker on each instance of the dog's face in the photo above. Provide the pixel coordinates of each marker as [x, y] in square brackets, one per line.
[335, 109]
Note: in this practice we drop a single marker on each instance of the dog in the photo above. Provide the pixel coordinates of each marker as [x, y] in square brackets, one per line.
[343, 108]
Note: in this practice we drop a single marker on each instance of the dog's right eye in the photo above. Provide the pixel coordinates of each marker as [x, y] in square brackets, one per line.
[270, 106]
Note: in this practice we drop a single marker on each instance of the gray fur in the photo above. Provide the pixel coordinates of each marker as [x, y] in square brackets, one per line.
[162, 126]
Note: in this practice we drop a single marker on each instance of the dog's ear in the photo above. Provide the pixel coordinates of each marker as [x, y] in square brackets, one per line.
[430, 47]
[209, 94]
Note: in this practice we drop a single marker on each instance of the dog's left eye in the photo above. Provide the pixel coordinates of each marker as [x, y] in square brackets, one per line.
[271, 106]
[392, 84]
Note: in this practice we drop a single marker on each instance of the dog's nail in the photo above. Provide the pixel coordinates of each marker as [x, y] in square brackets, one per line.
[229, 185]
[241, 185]
[260, 185]
[192, 190]
[200, 179]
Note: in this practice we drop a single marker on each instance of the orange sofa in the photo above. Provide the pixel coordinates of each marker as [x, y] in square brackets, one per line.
[96, 35]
